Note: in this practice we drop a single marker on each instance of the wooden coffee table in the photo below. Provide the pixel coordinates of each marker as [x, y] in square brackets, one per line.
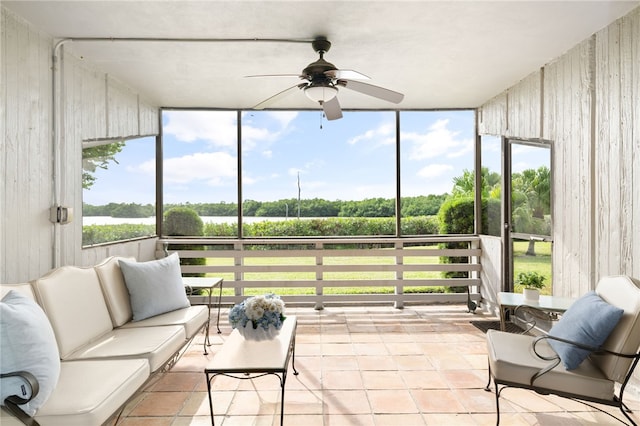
[248, 359]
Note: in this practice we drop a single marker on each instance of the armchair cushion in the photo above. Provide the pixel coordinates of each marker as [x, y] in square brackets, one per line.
[155, 287]
[28, 344]
[588, 321]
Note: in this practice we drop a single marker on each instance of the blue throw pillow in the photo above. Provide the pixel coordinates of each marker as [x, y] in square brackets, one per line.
[155, 287]
[589, 320]
[27, 343]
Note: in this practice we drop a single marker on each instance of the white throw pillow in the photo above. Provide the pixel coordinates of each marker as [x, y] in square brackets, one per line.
[155, 287]
[27, 343]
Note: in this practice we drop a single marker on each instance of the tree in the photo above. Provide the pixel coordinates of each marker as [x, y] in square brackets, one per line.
[531, 201]
[464, 186]
[98, 157]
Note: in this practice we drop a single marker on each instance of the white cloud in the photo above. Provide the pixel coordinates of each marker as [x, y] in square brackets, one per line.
[437, 141]
[219, 129]
[210, 168]
[284, 118]
[216, 127]
[383, 135]
[434, 170]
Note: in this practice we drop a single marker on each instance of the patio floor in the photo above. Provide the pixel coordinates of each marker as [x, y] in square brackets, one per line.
[422, 365]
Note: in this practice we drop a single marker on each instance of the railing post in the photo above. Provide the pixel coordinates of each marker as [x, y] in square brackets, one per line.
[319, 288]
[399, 304]
[238, 261]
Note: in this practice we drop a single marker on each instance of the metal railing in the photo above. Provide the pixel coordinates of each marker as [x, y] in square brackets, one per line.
[381, 270]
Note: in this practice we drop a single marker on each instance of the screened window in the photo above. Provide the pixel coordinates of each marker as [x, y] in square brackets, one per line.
[118, 197]
[491, 155]
[298, 174]
[436, 159]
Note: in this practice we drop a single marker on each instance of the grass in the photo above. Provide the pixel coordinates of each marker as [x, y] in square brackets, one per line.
[540, 263]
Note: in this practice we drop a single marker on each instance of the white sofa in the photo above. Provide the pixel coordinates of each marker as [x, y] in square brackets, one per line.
[105, 356]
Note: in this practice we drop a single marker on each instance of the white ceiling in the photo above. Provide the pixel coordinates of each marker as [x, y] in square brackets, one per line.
[440, 54]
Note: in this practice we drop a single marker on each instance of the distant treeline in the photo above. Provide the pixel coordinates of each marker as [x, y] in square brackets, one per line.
[424, 205]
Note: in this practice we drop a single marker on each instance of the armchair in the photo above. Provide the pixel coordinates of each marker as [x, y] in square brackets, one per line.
[542, 363]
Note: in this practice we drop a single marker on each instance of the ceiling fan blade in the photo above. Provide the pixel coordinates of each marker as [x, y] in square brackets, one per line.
[277, 96]
[332, 109]
[346, 74]
[371, 90]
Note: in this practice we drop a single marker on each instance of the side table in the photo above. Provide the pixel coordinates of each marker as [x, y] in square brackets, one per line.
[193, 283]
[552, 304]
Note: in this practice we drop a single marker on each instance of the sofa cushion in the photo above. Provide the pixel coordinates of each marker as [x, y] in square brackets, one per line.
[623, 292]
[192, 319]
[155, 344]
[28, 344]
[89, 392]
[588, 321]
[73, 301]
[512, 360]
[24, 288]
[115, 290]
[155, 287]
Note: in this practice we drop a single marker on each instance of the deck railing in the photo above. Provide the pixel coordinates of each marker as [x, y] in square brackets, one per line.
[319, 267]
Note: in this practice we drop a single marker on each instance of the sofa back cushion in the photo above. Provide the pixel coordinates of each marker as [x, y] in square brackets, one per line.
[115, 290]
[623, 292]
[72, 299]
[23, 288]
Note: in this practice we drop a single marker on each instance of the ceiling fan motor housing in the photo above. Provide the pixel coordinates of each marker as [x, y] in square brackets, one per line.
[321, 45]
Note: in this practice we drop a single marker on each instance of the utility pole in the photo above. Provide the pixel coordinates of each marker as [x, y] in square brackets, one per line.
[298, 195]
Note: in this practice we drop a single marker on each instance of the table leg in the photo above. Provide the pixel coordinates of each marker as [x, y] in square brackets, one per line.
[503, 325]
[219, 303]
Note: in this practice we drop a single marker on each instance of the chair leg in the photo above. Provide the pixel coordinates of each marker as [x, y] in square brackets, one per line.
[497, 404]
[488, 389]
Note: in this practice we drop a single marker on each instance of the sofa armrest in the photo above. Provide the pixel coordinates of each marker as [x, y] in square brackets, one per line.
[28, 381]
[28, 389]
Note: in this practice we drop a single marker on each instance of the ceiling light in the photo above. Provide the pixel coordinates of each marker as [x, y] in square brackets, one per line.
[321, 93]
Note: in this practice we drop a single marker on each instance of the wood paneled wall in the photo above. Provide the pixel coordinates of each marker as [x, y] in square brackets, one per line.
[37, 169]
[26, 235]
[586, 102]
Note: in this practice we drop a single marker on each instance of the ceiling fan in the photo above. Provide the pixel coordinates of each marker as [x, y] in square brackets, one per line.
[322, 80]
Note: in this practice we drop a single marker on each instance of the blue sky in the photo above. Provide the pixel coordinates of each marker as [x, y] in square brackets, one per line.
[348, 159]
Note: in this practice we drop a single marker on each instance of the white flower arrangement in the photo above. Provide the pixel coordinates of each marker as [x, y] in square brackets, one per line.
[261, 311]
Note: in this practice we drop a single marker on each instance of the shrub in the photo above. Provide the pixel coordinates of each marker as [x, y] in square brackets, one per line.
[185, 222]
[456, 217]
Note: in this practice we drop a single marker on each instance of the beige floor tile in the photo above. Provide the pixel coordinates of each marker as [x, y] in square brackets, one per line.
[345, 402]
[437, 401]
[382, 380]
[370, 366]
[341, 363]
[342, 380]
[348, 420]
[159, 404]
[391, 401]
[376, 362]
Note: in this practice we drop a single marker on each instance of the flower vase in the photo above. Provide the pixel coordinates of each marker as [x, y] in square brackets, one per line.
[258, 334]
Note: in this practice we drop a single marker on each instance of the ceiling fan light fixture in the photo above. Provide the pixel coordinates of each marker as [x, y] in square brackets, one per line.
[321, 93]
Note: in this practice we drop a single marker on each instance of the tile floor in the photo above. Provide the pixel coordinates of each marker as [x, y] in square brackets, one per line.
[374, 366]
